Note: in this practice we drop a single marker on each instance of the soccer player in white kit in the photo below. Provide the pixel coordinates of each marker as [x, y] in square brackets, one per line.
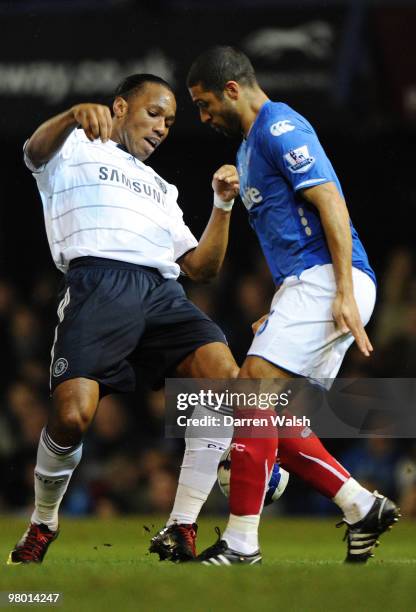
[116, 231]
[325, 295]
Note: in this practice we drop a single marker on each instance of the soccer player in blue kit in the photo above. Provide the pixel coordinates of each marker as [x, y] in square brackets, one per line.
[325, 285]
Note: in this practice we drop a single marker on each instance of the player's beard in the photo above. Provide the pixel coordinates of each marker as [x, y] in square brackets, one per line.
[230, 124]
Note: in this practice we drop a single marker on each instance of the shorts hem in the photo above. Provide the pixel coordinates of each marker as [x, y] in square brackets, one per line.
[105, 388]
[160, 382]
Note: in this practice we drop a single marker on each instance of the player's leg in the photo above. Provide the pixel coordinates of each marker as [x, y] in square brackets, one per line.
[78, 370]
[213, 360]
[59, 453]
[304, 454]
[202, 454]
[252, 461]
[75, 402]
[200, 460]
[306, 457]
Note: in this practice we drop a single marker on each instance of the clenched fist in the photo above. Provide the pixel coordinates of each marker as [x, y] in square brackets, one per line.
[95, 120]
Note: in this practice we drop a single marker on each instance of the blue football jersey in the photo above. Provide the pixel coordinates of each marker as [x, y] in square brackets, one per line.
[281, 156]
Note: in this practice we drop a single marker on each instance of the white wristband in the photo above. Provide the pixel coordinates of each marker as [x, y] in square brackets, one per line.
[218, 203]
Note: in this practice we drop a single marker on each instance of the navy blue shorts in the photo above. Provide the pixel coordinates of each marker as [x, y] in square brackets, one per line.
[119, 321]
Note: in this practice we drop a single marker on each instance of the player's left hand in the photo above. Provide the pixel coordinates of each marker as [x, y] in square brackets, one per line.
[225, 182]
[347, 319]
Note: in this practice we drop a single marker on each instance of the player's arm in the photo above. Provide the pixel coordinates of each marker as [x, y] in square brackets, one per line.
[204, 262]
[336, 224]
[95, 119]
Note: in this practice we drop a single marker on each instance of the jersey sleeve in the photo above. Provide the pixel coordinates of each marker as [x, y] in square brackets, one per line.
[45, 174]
[293, 148]
[182, 237]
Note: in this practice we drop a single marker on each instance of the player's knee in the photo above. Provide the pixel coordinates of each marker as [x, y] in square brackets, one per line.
[225, 364]
[71, 422]
[250, 369]
[231, 370]
[76, 420]
[75, 403]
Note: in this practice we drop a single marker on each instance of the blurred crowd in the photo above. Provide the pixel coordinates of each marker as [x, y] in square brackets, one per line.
[128, 465]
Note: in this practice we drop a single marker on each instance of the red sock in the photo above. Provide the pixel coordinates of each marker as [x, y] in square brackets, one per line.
[252, 460]
[308, 459]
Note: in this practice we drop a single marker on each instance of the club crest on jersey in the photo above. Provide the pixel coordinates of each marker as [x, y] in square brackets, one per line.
[281, 127]
[161, 184]
[299, 160]
[60, 367]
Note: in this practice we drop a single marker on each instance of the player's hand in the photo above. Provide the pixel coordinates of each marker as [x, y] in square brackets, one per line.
[347, 318]
[225, 183]
[95, 120]
[255, 326]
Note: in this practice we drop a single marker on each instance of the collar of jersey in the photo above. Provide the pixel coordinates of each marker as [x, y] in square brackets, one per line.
[123, 149]
[256, 120]
[119, 146]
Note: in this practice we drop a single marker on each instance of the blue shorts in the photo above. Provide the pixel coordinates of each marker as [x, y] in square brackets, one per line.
[119, 321]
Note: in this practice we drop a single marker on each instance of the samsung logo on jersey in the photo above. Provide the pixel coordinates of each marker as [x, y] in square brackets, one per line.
[281, 127]
[251, 196]
[116, 176]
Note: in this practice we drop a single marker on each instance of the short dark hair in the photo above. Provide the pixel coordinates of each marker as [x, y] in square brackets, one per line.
[135, 82]
[220, 64]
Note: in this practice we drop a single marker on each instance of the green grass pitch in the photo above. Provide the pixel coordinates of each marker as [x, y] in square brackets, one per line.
[302, 570]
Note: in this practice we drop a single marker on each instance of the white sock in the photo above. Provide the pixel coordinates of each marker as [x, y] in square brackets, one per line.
[198, 471]
[187, 506]
[54, 467]
[241, 533]
[197, 477]
[354, 500]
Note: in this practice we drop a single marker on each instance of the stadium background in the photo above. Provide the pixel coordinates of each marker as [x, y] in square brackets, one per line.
[348, 68]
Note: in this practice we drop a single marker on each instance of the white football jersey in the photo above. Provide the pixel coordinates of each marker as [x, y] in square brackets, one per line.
[99, 200]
